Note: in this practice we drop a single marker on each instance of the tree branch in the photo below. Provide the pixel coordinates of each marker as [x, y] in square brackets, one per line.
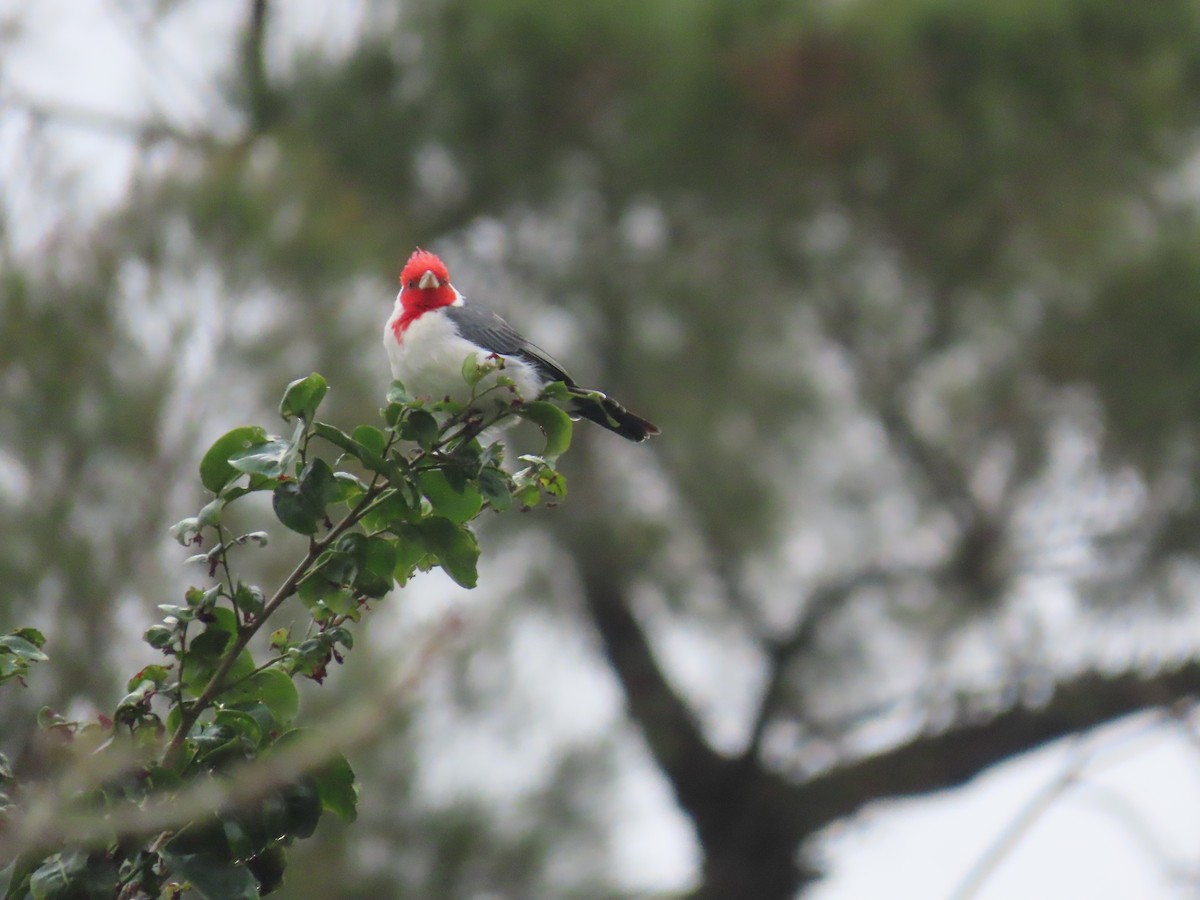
[262, 102]
[193, 711]
[669, 727]
[823, 602]
[951, 758]
[143, 132]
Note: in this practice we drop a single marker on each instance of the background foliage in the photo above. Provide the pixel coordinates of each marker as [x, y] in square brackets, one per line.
[910, 287]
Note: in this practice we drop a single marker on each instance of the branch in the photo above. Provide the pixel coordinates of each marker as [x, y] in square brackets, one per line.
[51, 814]
[1033, 810]
[940, 471]
[954, 757]
[667, 723]
[215, 685]
[143, 132]
[262, 102]
[882, 394]
[823, 602]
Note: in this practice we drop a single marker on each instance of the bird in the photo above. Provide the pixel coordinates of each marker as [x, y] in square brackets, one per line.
[433, 329]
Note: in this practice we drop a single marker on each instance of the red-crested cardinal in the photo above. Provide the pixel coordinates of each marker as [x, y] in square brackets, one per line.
[434, 328]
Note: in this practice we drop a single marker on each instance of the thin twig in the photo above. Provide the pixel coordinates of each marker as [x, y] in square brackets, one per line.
[986, 864]
[52, 817]
[93, 120]
[193, 712]
[823, 602]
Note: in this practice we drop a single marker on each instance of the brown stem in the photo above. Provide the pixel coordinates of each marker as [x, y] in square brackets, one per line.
[193, 712]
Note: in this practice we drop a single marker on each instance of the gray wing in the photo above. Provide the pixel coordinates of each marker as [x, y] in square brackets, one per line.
[486, 329]
[483, 327]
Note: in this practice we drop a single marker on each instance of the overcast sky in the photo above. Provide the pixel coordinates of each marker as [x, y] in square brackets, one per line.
[1127, 827]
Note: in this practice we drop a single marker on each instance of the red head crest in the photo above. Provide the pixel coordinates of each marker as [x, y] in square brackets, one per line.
[420, 263]
[424, 286]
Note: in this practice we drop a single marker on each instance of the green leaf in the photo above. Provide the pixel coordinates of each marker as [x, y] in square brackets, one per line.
[349, 487]
[21, 648]
[185, 530]
[380, 556]
[371, 438]
[242, 842]
[210, 514]
[215, 470]
[375, 577]
[421, 428]
[19, 872]
[335, 436]
[308, 656]
[473, 369]
[338, 788]
[336, 568]
[342, 564]
[243, 723]
[555, 390]
[390, 510]
[333, 780]
[496, 488]
[319, 484]
[302, 397]
[312, 589]
[159, 636]
[32, 635]
[553, 483]
[301, 808]
[457, 505]
[294, 509]
[73, 875]
[555, 424]
[454, 546]
[354, 544]
[205, 651]
[51, 880]
[271, 687]
[301, 505]
[528, 496]
[257, 538]
[223, 619]
[398, 394]
[269, 459]
[211, 873]
[156, 675]
[268, 868]
[344, 602]
[218, 744]
[368, 584]
[249, 598]
[410, 551]
[467, 461]
[201, 658]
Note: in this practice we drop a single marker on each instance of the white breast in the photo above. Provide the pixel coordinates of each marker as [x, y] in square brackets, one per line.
[429, 357]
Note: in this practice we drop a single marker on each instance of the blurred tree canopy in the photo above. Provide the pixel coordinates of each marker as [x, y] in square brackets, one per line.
[910, 285]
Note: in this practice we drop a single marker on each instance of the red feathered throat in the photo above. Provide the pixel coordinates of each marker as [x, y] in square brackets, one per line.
[416, 299]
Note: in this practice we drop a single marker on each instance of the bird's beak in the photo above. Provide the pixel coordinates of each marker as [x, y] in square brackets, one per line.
[428, 280]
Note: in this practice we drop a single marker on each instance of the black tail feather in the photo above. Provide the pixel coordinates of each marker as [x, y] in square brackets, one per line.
[608, 413]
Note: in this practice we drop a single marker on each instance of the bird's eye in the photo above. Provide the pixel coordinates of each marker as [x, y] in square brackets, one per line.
[412, 284]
